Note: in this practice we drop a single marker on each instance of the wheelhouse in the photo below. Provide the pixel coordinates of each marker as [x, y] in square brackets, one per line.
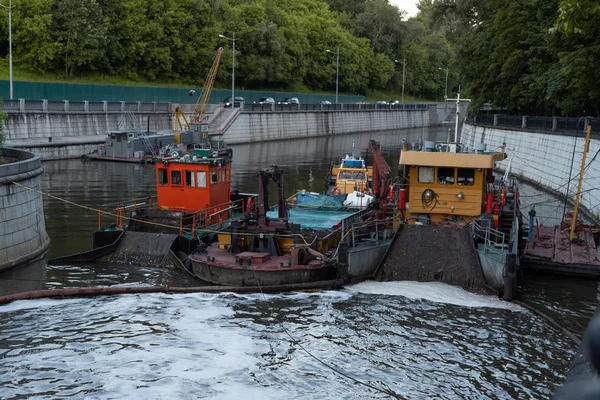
[442, 186]
[191, 184]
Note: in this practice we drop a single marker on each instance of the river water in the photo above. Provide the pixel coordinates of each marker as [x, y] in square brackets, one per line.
[372, 340]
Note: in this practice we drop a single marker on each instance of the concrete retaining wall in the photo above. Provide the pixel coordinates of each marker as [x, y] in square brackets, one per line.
[71, 134]
[546, 159]
[23, 234]
[32, 126]
[266, 126]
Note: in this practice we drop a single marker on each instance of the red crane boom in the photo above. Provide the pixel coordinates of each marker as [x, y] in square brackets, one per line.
[381, 175]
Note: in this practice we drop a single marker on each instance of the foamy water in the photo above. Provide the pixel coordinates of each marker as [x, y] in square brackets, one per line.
[224, 346]
[434, 291]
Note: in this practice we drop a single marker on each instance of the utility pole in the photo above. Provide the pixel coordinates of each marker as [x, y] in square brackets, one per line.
[10, 7]
[337, 71]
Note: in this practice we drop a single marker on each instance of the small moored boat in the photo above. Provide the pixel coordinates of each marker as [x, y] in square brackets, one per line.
[257, 250]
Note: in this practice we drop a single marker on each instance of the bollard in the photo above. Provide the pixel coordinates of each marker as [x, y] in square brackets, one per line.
[510, 277]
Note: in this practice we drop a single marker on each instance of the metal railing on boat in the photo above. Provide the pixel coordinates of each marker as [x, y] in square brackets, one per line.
[493, 241]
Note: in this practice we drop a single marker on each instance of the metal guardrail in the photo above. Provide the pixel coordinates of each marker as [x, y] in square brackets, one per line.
[573, 125]
[373, 232]
[250, 107]
[493, 241]
[54, 106]
[66, 106]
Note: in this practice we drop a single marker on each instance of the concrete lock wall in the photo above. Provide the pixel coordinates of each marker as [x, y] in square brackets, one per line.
[23, 234]
[27, 126]
[257, 127]
[546, 159]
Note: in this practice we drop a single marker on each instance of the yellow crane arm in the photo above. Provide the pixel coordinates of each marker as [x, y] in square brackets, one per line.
[182, 121]
[200, 108]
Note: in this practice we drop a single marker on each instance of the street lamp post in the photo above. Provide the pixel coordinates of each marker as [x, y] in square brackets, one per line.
[337, 71]
[445, 90]
[233, 39]
[9, 7]
[403, 75]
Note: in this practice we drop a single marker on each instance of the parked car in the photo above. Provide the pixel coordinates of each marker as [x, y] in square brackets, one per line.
[325, 102]
[265, 100]
[382, 102]
[394, 102]
[289, 100]
[238, 101]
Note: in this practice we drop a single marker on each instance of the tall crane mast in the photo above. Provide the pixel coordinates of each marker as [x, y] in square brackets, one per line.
[201, 104]
[200, 109]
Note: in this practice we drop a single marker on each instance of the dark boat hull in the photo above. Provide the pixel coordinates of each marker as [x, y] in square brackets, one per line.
[222, 275]
[231, 274]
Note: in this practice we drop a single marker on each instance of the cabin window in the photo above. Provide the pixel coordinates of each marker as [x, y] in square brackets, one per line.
[425, 174]
[213, 177]
[465, 176]
[175, 177]
[445, 176]
[201, 179]
[119, 138]
[189, 178]
[359, 175]
[345, 175]
[162, 176]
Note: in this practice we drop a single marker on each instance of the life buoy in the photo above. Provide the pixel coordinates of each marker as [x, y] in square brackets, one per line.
[165, 162]
[336, 190]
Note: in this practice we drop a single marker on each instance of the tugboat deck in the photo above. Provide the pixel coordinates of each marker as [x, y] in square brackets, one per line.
[251, 260]
[550, 249]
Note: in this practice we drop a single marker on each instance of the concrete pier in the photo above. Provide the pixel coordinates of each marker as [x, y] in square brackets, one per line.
[23, 234]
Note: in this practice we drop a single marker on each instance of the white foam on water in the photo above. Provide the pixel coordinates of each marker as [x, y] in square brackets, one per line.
[433, 291]
[19, 305]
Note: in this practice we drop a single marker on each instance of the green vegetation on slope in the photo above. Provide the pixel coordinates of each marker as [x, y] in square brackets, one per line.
[532, 56]
[280, 44]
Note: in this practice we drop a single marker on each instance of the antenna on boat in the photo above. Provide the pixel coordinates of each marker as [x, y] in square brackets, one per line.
[458, 99]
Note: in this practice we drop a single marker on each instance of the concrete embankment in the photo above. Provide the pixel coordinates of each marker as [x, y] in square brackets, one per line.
[23, 234]
[59, 130]
[259, 127]
[547, 159]
[54, 131]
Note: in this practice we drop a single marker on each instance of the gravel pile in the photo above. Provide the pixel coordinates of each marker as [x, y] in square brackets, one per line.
[143, 249]
[433, 253]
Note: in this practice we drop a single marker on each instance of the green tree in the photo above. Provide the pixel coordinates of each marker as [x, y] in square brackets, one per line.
[33, 45]
[79, 28]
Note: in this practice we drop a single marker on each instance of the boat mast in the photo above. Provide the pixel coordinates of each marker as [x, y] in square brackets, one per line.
[578, 194]
[458, 99]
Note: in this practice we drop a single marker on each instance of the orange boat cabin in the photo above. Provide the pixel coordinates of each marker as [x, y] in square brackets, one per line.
[193, 183]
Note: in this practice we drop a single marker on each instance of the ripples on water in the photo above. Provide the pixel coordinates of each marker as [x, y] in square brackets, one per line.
[232, 346]
[401, 335]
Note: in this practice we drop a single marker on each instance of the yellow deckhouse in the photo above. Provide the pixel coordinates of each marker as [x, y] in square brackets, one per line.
[451, 187]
